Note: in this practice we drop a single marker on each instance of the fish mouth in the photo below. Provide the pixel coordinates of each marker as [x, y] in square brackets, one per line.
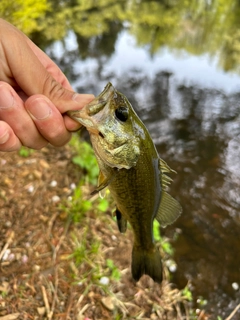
[90, 115]
[99, 103]
[95, 108]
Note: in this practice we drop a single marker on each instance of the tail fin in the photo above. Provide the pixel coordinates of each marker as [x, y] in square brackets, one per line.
[146, 262]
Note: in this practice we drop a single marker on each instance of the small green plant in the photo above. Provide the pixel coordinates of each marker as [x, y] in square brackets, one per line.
[103, 205]
[25, 152]
[85, 159]
[156, 231]
[201, 301]
[187, 294]
[167, 247]
[165, 244]
[84, 250]
[3, 294]
[76, 207]
[115, 273]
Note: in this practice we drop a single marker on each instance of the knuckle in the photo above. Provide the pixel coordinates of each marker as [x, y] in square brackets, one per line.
[55, 133]
[59, 137]
[52, 88]
[38, 145]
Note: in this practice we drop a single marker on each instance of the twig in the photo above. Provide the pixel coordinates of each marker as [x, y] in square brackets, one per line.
[69, 303]
[55, 291]
[233, 313]
[9, 241]
[45, 299]
[56, 249]
[81, 312]
[51, 222]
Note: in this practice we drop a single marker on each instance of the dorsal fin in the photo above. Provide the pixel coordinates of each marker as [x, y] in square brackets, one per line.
[164, 168]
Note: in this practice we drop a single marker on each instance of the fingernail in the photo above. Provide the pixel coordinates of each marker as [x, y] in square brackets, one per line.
[39, 110]
[6, 98]
[4, 138]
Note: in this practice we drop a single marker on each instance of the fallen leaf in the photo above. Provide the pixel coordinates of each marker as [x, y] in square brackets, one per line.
[108, 303]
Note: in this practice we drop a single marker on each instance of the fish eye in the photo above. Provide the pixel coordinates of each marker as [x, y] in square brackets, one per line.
[122, 114]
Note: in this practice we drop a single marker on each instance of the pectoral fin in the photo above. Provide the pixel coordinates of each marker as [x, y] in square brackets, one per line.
[121, 221]
[103, 182]
[169, 210]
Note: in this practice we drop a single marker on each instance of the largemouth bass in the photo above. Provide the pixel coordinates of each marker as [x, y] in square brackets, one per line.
[132, 170]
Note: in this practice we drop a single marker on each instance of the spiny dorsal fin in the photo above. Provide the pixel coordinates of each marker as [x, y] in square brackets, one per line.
[169, 210]
[164, 167]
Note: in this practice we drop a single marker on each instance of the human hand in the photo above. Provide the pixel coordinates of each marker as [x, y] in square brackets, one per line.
[34, 95]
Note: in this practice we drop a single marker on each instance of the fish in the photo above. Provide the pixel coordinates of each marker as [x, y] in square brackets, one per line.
[137, 178]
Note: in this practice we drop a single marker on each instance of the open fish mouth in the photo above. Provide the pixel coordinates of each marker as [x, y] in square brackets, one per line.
[102, 99]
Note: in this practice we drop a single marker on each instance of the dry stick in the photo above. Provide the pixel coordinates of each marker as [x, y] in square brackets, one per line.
[81, 312]
[233, 313]
[9, 240]
[56, 249]
[55, 291]
[69, 304]
[45, 299]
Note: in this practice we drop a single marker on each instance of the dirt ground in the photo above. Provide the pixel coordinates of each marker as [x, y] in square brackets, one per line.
[53, 268]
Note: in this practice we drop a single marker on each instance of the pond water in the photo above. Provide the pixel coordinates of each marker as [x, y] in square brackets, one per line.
[178, 64]
[192, 110]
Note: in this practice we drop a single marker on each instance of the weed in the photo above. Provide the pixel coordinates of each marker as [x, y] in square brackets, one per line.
[201, 301]
[156, 231]
[103, 205]
[25, 152]
[76, 207]
[115, 273]
[85, 159]
[186, 293]
[164, 243]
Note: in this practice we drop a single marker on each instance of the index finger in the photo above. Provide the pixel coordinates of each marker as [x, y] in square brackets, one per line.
[50, 66]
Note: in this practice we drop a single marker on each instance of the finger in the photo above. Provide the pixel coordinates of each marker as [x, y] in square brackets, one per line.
[36, 79]
[8, 140]
[48, 120]
[49, 65]
[71, 124]
[13, 112]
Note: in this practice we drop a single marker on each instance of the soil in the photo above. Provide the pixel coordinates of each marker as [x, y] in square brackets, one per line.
[54, 268]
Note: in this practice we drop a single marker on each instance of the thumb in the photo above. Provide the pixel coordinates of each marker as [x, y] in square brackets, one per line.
[35, 73]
